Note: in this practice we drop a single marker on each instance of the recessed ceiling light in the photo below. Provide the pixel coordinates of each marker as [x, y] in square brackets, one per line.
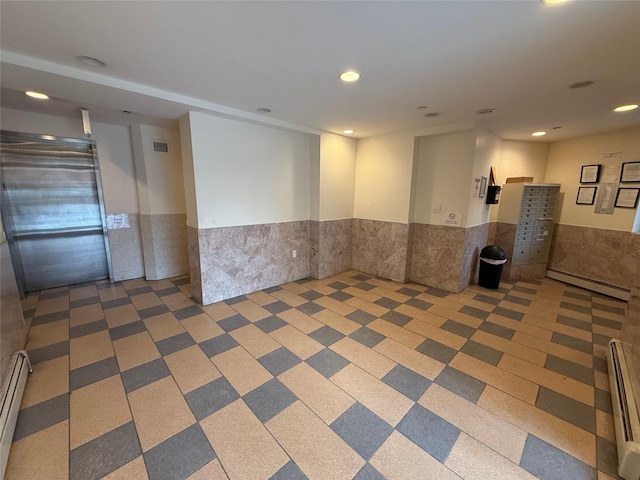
[422, 107]
[349, 76]
[348, 131]
[432, 114]
[538, 134]
[485, 111]
[91, 61]
[263, 110]
[554, 2]
[584, 84]
[625, 108]
[38, 95]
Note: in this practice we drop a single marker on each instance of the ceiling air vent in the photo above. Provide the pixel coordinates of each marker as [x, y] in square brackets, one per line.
[160, 146]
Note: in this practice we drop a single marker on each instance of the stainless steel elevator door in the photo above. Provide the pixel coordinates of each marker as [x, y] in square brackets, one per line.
[53, 212]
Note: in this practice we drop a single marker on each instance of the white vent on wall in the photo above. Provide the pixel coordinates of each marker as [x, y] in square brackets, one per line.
[160, 146]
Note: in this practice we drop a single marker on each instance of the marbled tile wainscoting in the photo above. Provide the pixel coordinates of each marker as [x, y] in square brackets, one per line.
[164, 243]
[631, 327]
[503, 235]
[334, 247]
[475, 239]
[245, 259]
[314, 249]
[126, 250]
[193, 243]
[380, 248]
[607, 256]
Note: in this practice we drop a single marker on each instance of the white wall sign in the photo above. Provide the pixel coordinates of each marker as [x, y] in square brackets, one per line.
[117, 221]
[453, 219]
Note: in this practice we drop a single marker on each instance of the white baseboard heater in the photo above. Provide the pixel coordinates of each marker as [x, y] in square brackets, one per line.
[623, 378]
[14, 383]
[588, 284]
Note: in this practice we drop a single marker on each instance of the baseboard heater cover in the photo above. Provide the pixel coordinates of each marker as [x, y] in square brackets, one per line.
[15, 380]
[588, 284]
[623, 378]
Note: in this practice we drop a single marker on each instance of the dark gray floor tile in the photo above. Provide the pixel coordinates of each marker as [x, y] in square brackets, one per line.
[326, 335]
[186, 312]
[575, 308]
[606, 322]
[367, 337]
[83, 302]
[232, 323]
[279, 361]
[276, 307]
[217, 345]
[607, 457]
[407, 382]
[550, 463]
[397, 318]
[29, 314]
[171, 345]
[487, 299]
[368, 473]
[41, 415]
[103, 455]
[289, 472]
[269, 324]
[460, 383]
[144, 374]
[506, 312]
[340, 296]
[364, 286]
[600, 339]
[269, 399]
[572, 342]
[433, 434]
[362, 429]
[361, 277]
[139, 291]
[46, 295]
[608, 308]
[211, 397]
[600, 364]
[273, 289]
[167, 291]
[179, 456]
[302, 281]
[458, 328]
[566, 408]
[574, 322]
[519, 288]
[103, 284]
[570, 369]
[153, 311]
[83, 376]
[118, 302]
[474, 312]
[338, 285]
[310, 295]
[87, 328]
[437, 351]
[482, 352]
[42, 354]
[409, 292]
[50, 317]
[181, 281]
[361, 317]
[234, 300]
[532, 282]
[495, 329]
[417, 303]
[310, 308]
[327, 362]
[603, 401]
[517, 300]
[578, 296]
[436, 292]
[127, 330]
[387, 303]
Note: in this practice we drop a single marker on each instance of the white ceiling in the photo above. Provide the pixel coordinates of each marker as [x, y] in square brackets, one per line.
[230, 58]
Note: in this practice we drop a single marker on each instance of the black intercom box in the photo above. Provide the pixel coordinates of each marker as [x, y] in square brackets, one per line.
[493, 194]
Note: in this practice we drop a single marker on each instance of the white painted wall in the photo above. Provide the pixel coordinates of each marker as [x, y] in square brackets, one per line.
[487, 154]
[248, 174]
[564, 165]
[314, 177]
[337, 177]
[187, 172]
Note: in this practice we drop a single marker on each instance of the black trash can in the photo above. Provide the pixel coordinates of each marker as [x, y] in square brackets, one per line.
[492, 259]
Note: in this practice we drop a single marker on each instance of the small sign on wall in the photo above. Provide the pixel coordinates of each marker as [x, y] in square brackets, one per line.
[116, 221]
[453, 219]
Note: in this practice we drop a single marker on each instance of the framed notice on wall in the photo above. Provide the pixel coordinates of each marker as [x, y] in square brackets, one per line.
[590, 174]
[586, 195]
[630, 172]
[627, 197]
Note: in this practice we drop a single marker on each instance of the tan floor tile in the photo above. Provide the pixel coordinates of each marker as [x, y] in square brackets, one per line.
[260, 298]
[48, 380]
[134, 469]
[52, 305]
[554, 349]
[422, 315]
[191, 368]
[48, 334]
[219, 311]
[469, 301]
[607, 332]
[134, 283]
[600, 351]
[563, 435]
[529, 329]
[531, 355]
[97, 409]
[30, 301]
[86, 314]
[377, 396]
[434, 333]
[301, 321]
[554, 381]
[604, 426]
[202, 327]
[440, 304]
[254, 340]
[89, 349]
[494, 432]
[163, 326]
[604, 476]
[147, 300]
[81, 293]
[296, 341]
[251, 311]
[160, 284]
[335, 306]
[399, 334]
[44, 454]
[610, 315]
[243, 445]
[121, 315]
[367, 306]
[392, 294]
[112, 293]
[459, 317]
[176, 301]
[558, 327]
[314, 447]
[159, 412]
[337, 322]
[601, 380]
[400, 459]
[296, 287]
[408, 357]
[472, 460]
[317, 392]
[186, 289]
[369, 360]
[585, 317]
[289, 297]
[501, 379]
[242, 370]
[319, 287]
[362, 294]
[135, 350]
[211, 471]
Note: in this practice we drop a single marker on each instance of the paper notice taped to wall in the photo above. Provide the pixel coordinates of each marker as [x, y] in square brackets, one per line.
[117, 221]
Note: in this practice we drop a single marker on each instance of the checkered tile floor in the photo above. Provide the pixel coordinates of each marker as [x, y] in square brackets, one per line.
[347, 377]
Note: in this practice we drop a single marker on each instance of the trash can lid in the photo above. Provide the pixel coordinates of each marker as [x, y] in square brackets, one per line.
[493, 252]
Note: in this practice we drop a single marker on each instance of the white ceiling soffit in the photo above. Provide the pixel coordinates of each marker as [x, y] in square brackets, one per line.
[230, 58]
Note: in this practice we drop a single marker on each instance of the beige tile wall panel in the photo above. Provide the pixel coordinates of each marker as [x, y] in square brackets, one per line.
[380, 248]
